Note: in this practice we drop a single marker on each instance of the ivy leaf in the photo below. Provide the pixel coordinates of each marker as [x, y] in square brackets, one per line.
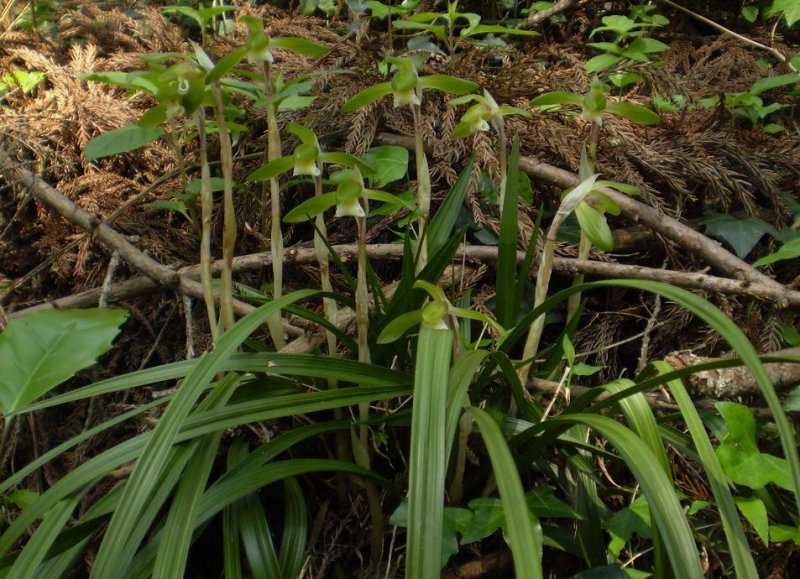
[741, 234]
[40, 350]
[120, 141]
[739, 455]
[488, 518]
[542, 502]
[755, 512]
[389, 164]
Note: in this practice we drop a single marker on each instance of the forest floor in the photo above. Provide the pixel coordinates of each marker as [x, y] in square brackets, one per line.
[717, 173]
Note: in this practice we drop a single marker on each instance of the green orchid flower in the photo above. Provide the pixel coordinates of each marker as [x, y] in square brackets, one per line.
[483, 115]
[406, 86]
[434, 315]
[306, 158]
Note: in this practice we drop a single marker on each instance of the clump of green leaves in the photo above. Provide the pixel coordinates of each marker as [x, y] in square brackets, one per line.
[452, 27]
[629, 41]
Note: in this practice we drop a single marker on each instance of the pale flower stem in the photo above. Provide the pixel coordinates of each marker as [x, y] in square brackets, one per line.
[585, 245]
[542, 285]
[276, 235]
[423, 185]
[323, 258]
[575, 299]
[501, 143]
[229, 214]
[206, 206]
[361, 446]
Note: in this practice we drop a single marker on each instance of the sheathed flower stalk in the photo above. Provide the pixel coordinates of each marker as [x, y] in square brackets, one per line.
[229, 212]
[258, 49]
[432, 430]
[351, 200]
[568, 205]
[482, 116]
[407, 89]
[593, 105]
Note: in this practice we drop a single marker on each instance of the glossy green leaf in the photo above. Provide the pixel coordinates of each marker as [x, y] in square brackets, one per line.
[594, 225]
[272, 169]
[742, 234]
[557, 97]
[310, 208]
[225, 64]
[740, 456]
[636, 113]
[755, 512]
[40, 350]
[388, 164]
[299, 46]
[449, 84]
[367, 96]
[789, 250]
[121, 140]
[601, 62]
[399, 325]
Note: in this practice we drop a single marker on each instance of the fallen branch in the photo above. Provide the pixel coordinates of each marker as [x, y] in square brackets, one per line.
[158, 273]
[476, 253]
[711, 251]
[536, 18]
[726, 383]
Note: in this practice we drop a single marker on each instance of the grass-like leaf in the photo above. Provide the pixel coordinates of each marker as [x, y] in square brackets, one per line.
[427, 466]
[520, 532]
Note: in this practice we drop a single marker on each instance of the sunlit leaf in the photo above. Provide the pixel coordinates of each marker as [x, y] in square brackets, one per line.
[40, 350]
[120, 140]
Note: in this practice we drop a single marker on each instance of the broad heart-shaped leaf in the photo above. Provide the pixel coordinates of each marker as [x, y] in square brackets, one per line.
[488, 517]
[789, 250]
[310, 208]
[40, 350]
[120, 141]
[594, 225]
[367, 96]
[445, 83]
[740, 456]
[636, 113]
[388, 164]
[741, 234]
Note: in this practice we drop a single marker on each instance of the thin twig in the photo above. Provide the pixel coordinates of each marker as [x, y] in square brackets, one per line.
[773, 51]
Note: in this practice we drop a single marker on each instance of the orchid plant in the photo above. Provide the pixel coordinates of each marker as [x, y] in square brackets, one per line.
[481, 116]
[406, 88]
